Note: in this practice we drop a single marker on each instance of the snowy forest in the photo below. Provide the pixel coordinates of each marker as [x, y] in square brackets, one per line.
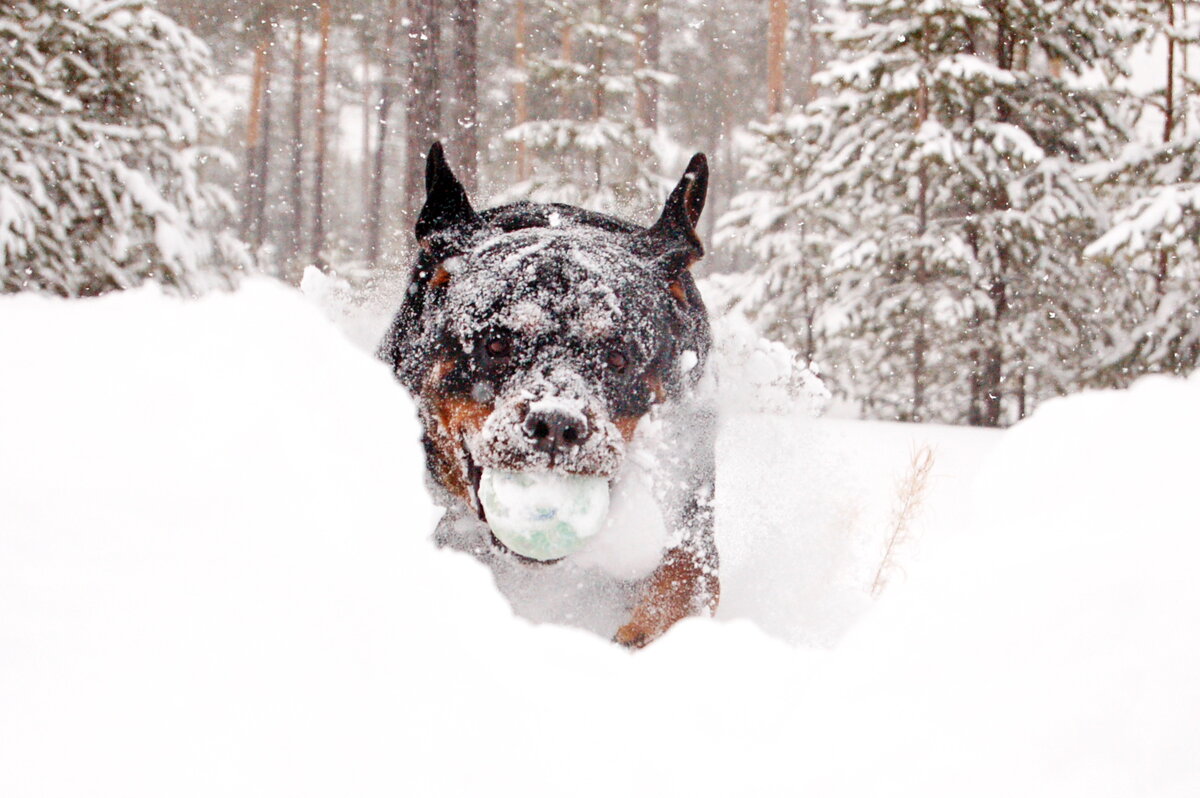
[895, 498]
[951, 211]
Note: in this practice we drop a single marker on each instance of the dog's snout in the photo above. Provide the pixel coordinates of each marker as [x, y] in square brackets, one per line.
[555, 430]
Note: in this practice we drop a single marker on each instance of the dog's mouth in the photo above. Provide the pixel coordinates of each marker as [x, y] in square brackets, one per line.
[475, 474]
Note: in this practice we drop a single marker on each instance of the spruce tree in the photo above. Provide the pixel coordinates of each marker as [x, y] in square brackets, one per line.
[933, 196]
[101, 115]
[588, 144]
[1152, 249]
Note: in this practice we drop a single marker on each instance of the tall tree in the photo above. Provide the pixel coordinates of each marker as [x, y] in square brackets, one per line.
[382, 127]
[650, 59]
[1151, 250]
[943, 164]
[589, 145]
[322, 131]
[521, 89]
[465, 131]
[295, 239]
[258, 130]
[424, 100]
[103, 110]
[776, 55]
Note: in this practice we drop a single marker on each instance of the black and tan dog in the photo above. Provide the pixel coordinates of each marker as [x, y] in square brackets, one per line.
[546, 337]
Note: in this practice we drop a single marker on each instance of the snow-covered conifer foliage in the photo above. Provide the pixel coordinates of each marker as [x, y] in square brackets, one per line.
[101, 116]
[597, 149]
[922, 220]
[1152, 246]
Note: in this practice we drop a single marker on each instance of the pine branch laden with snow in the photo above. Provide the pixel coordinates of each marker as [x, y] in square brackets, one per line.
[923, 218]
[595, 153]
[102, 116]
[1152, 255]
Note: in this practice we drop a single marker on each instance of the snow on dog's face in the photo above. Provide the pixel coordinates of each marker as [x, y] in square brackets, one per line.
[536, 336]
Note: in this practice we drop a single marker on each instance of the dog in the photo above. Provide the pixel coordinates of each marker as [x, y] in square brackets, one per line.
[541, 336]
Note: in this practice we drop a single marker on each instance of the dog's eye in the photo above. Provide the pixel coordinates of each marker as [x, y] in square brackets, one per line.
[617, 361]
[498, 346]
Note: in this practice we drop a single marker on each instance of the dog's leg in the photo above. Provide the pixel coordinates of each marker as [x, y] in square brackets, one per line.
[685, 584]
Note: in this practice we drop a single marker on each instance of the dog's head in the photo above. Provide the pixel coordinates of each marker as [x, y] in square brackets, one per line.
[535, 336]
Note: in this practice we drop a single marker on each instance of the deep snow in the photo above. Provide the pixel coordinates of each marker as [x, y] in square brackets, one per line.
[216, 579]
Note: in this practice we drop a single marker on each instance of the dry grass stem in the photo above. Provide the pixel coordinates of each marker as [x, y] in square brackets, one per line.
[910, 494]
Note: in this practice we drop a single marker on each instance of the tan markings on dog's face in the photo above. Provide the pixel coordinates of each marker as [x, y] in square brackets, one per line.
[627, 426]
[678, 291]
[440, 277]
[457, 418]
[657, 388]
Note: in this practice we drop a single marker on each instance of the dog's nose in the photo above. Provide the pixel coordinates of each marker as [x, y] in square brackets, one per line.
[555, 430]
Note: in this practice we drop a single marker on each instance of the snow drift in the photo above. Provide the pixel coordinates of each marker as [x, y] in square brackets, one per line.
[216, 579]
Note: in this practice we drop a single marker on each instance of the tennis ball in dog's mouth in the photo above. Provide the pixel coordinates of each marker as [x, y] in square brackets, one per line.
[543, 516]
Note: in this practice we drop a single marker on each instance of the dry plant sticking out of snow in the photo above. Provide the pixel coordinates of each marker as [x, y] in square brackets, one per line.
[911, 494]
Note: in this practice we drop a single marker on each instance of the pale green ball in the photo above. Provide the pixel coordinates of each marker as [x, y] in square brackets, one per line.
[543, 515]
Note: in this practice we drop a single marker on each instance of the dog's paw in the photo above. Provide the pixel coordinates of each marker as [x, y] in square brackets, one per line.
[636, 635]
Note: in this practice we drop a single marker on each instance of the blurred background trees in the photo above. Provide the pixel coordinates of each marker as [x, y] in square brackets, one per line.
[103, 112]
[952, 210]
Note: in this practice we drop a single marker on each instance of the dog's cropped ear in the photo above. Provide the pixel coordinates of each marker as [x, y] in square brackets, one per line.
[682, 211]
[446, 203]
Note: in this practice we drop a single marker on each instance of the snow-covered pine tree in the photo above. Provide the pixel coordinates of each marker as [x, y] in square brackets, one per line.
[1153, 246]
[938, 170]
[585, 139]
[789, 239]
[101, 112]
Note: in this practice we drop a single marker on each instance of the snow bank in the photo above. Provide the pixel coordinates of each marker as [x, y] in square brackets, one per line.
[215, 579]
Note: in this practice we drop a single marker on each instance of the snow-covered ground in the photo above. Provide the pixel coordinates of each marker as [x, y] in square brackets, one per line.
[216, 579]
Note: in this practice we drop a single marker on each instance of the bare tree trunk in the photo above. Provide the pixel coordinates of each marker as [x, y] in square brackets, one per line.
[424, 109]
[466, 89]
[1184, 70]
[262, 212]
[812, 56]
[386, 95]
[364, 43]
[296, 240]
[649, 57]
[256, 152]
[521, 91]
[1168, 130]
[320, 113]
[920, 342]
[992, 376]
[568, 55]
[598, 93]
[776, 54]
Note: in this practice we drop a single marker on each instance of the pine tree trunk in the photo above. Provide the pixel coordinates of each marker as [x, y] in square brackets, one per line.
[364, 45]
[776, 55]
[920, 343]
[320, 114]
[568, 56]
[520, 90]
[256, 162]
[466, 89]
[296, 239]
[1168, 129]
[650, 55]
[992, 376]
[598, 94]
[424, 107]
[812, 59]
[386, 96]
[262, 212]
